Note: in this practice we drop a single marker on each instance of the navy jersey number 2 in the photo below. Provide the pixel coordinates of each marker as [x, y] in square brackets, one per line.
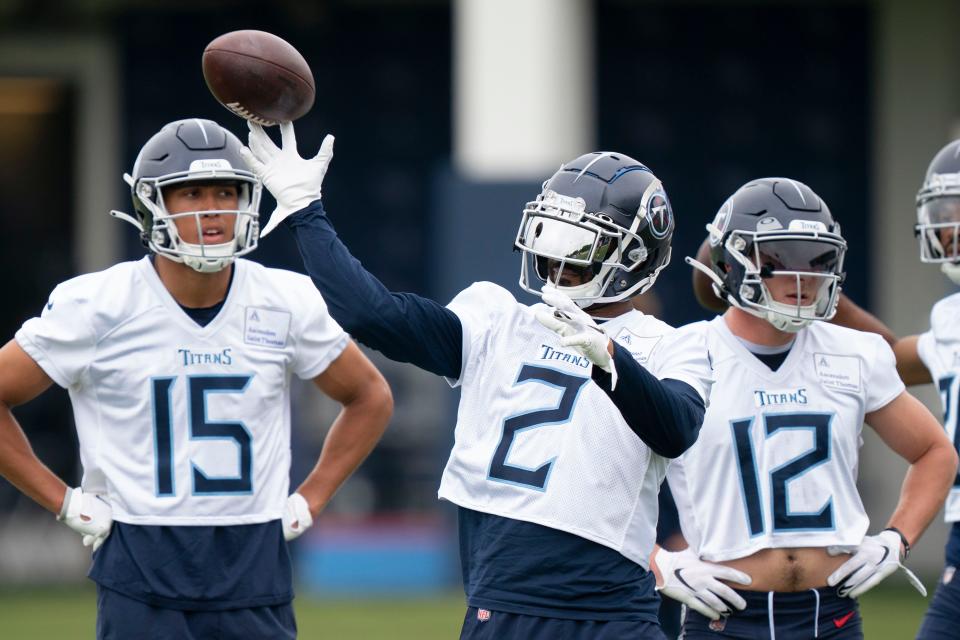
[201, 427]
[503, 471]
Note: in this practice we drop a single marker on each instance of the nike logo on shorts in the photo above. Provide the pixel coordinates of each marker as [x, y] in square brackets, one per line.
[842, 620]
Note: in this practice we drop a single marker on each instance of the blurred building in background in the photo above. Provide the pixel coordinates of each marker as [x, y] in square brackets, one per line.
[448, 116]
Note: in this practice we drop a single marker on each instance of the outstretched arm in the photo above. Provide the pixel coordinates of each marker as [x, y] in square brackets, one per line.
[666, 414]
[403, 326]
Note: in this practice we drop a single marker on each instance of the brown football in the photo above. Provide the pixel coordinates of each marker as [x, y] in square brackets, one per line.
[258, 76]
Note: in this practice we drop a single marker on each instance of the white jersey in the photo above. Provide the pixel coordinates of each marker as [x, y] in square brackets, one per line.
[537, 441]
[939, 349]
[776, 461]
[181, 424]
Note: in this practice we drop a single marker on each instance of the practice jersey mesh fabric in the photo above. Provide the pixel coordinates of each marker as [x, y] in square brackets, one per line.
[181, 424]
[939, 349]
[776, 461]
[537, 441]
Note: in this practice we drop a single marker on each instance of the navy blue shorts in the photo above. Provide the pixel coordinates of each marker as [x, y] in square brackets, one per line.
[815, 613]
[940, 621]
[483, 624]
[123, 618]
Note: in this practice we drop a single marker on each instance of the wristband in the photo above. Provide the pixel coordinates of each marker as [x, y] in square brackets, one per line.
[903, 539]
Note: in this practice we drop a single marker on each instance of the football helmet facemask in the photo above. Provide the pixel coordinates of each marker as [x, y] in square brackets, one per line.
[198, 151]
[599, 231]
[777, 228]
[938, 212]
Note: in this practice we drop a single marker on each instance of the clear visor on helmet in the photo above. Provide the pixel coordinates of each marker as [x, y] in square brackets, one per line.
[938, 228]
[792, 275]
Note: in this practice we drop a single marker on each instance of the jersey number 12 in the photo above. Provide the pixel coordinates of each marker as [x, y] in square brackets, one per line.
[783, 518]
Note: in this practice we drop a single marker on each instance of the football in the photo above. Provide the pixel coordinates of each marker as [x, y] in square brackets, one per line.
[258, 76]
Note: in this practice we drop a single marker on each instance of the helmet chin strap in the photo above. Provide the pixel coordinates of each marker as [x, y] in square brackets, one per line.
[207, 265]
[785, 324]
[952, 271]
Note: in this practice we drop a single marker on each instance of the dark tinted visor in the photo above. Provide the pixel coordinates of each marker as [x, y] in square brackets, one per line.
[815, 256]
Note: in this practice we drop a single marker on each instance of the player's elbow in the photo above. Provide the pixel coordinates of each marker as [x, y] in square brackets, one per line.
[686, 416]
[945, 460]
[376, 401]
[688, 430]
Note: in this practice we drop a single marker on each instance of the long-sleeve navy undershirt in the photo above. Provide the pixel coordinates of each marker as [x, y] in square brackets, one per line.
[666, 414]
[402, 326]
[406, 327]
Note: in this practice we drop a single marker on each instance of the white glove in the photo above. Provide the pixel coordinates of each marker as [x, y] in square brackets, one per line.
[294, 181]
[296, 517]
[88, 514]
[696, 583]
[577, 329]
[873, 560]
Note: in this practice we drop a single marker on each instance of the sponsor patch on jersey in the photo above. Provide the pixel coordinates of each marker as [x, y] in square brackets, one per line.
[483, 615]
[640, 347]
[717, 625]
[838, 372]
[948, 574]
[767, 397]
[266, 327]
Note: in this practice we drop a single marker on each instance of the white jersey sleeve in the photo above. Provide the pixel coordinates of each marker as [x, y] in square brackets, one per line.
[479, 307]
[939, 349]
[62, 340]
[320, 340]
[683, 356]
[883, 383]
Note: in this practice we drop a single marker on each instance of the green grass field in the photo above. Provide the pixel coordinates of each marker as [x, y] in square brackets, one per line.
[889, 614]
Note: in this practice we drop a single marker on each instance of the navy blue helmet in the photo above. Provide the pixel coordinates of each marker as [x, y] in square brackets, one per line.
[938, 212]
[599, 231]
[776, 227]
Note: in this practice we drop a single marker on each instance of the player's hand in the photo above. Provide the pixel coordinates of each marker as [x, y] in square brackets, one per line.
[696, 583]
[294, 181]
[873, 560]
[296, 517]
[88, 514]
[577, 329]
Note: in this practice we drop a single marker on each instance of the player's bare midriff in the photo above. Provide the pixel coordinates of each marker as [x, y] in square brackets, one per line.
[789, 569]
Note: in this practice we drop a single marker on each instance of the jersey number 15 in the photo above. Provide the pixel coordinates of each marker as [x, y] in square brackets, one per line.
[201, 427]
